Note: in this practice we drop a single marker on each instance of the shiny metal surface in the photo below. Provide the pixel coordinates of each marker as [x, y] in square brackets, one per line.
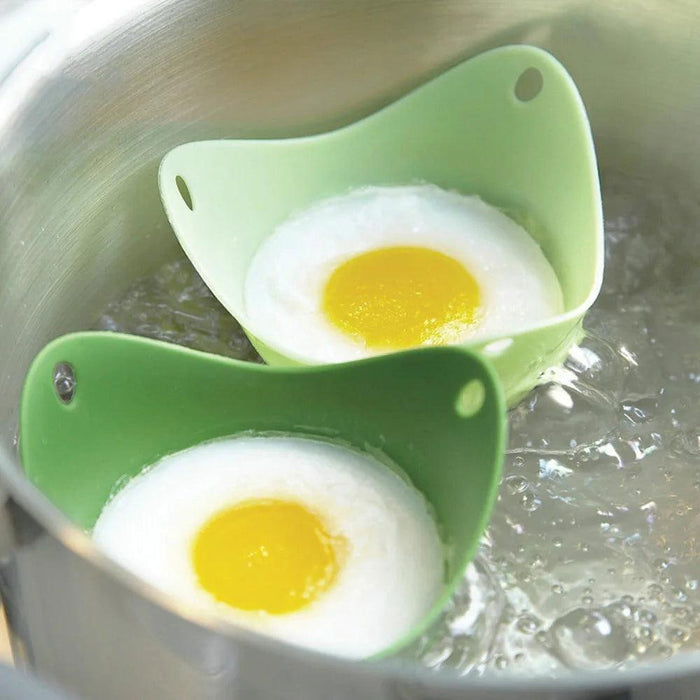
[19, 686]
[86, 113]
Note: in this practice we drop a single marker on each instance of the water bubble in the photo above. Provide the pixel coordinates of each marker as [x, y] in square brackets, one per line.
[500, 662]
[587, 639]
[537, 559]
[541, 637]
[646, 616]
[516, 483]
[558, 589]
[530, 502]
[686, 442]
[523, 576]
[678, 635]
[680, 595]
[644, 639]
[527, 624]
[639, 412]
[646, 633]
[620, 611]
[654, 591]
[681, 613]
[64, 381]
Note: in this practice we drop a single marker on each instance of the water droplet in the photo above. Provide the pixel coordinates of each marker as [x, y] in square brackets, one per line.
[557, 588]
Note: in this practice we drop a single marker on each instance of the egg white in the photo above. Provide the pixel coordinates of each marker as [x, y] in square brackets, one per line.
[394, 567]
[285, 282]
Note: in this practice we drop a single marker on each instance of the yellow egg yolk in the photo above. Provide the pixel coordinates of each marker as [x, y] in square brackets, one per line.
[400, 297]
[266, 555]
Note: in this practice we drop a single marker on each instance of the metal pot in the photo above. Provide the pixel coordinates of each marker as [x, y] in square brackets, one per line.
[86, 112]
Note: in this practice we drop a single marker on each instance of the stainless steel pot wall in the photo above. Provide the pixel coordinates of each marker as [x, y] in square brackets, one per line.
[85, 117]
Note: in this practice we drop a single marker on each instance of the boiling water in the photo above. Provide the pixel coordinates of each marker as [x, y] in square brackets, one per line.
[592, 557]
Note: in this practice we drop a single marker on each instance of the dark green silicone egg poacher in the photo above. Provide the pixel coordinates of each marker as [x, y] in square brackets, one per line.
[99, 407]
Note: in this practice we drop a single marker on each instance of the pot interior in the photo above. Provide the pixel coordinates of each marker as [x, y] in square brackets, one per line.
[603, 461]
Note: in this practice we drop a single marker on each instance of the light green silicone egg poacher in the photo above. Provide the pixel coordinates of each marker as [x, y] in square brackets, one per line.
[480, 128]
[99, 407]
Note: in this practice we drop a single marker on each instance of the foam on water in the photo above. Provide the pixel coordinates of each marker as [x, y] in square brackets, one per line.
[592, 557]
